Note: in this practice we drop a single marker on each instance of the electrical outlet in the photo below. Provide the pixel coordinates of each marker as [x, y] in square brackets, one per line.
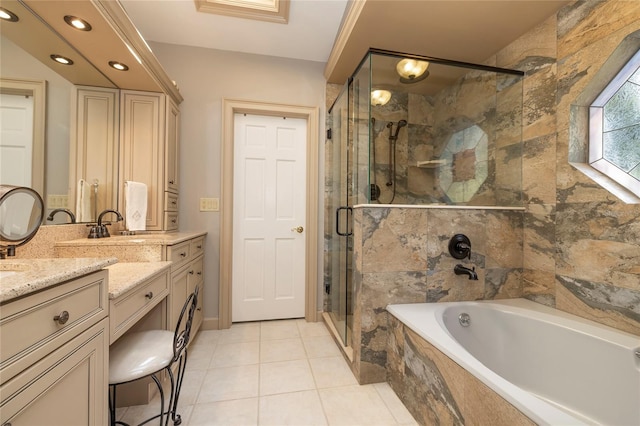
[57, 201]
[209, 204]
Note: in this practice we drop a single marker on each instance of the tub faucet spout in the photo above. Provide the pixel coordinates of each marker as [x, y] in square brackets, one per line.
[462, 270]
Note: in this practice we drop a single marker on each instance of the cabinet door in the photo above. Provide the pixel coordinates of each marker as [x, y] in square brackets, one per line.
[178, 295]
[94, 148]
[68, 387]
[195, 278]
[172, 147]
[142, 150]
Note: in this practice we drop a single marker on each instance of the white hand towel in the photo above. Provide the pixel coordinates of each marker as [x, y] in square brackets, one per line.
[135, 203]
[83, 202]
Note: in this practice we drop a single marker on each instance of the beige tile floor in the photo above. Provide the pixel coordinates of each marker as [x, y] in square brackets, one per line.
[275, 373]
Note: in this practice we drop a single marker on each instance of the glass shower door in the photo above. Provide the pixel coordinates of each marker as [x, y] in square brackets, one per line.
[340, 256]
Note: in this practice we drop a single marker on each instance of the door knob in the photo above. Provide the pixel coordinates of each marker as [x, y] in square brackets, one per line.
[298, 229]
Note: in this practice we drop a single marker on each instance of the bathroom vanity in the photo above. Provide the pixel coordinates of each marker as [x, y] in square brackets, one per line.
[55, 340]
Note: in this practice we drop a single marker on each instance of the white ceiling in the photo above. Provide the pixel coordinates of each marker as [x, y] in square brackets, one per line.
[309, 35]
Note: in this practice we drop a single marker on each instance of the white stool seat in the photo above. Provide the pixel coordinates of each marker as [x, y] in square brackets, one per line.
[140, 354]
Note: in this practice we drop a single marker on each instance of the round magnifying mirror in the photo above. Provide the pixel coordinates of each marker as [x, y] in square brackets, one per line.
[21, 213]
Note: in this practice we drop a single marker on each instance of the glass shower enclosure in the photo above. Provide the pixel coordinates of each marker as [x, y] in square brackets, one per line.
[412, 130]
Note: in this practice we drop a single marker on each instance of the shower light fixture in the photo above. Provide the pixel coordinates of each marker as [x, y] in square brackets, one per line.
[77, 23]
[412, 70]
[8, 15]
[380, 97]
[61, 59]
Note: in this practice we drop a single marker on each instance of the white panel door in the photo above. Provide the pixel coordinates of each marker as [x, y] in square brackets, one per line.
[16, 139]
[269, 200]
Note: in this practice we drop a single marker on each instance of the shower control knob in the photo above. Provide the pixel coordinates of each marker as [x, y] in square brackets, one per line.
[298, 229]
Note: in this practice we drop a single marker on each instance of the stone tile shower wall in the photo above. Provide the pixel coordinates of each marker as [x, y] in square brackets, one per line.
[401, 256]
[482, 101]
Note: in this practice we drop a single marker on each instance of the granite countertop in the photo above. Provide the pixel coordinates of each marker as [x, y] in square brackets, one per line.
[166, 239]
[125, 276]
[30, 275]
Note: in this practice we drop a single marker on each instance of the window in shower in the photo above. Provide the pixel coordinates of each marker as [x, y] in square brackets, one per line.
[614, 128]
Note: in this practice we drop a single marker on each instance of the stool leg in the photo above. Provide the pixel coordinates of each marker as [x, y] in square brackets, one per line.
[182, 363]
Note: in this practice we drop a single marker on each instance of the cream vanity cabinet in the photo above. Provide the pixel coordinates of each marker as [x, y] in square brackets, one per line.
[145, 149]
[187, 273]
[149, 144]
[54, 355]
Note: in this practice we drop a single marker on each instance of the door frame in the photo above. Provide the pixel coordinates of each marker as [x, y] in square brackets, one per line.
[37, 89]
[310, 114]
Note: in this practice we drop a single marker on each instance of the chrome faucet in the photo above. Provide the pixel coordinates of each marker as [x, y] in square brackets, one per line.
[67, 211]
[100, 230]
[459, 269]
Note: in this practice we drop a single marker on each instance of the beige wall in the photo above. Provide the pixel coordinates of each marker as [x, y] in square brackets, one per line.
[205, 77]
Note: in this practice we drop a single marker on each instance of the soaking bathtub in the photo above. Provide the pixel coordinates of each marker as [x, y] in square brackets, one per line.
[556, 368]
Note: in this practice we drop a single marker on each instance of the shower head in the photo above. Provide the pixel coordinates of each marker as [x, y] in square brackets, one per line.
[401, 124]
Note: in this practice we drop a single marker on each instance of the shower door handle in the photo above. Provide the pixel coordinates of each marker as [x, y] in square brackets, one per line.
[349, 210]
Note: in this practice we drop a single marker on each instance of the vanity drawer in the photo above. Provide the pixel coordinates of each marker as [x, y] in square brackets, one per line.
[196, 247]
[127, 309]
[170, 221]
[179, 254]
[35, 325]
[170, 202]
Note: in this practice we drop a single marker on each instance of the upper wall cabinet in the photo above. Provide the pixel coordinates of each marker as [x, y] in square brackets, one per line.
[42, 30]
[149, 124]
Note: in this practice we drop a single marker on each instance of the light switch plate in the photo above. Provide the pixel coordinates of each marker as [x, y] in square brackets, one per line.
[209, 204]
[57, 201]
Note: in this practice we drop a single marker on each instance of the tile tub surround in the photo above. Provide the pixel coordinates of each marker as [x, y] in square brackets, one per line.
[580, 244]
[401, 256]
[436, 390]
[38, 274]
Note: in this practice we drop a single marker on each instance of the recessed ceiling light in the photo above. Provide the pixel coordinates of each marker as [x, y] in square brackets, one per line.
[8, 15]
[77, 23]
[62, 60]
[118, 65]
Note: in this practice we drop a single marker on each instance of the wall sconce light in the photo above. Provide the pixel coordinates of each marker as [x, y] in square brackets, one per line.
[61, 59]
[8, 15]
[77, 23]
[380, 97]
[412, 70]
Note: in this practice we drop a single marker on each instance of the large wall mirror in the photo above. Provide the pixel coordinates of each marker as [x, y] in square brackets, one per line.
[37, 90]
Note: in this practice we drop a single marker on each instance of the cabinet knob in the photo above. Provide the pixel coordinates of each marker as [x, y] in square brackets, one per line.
[173, 221]
[199, 247]
[199, 272]
[191, 272]
[183, 254]
[174, 202]
[172, 182]
[62, 318]
[149, 295]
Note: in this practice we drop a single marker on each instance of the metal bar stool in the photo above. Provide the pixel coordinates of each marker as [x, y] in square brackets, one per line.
[145, 354]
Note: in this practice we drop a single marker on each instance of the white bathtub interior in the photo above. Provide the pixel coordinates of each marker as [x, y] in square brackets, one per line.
[585, 369]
